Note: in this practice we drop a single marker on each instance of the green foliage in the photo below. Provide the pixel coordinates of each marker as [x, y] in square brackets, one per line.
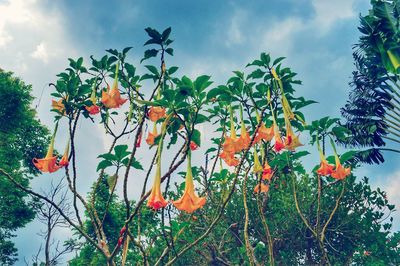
[22, 138]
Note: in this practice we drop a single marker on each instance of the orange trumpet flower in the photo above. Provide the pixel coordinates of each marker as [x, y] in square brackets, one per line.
[156, 113]
[112, 98]
[49, 163]
[279, 145]
[156, 199]
[152, 135]
[229, 158]
[93, 109]
[264, 133]
[261, 188]
[64, 160]
[340, 172]
[189, 202]
[325, 168]
[267, 172]
[58, 106]
[291, 141]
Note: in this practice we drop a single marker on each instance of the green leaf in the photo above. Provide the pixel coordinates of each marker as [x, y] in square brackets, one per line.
[196, 137]
[166, 33]
[300, 154]
[172, 70]
[202, 83]
[153, 34]
[126, 50]
[347, 156]
[148, 54]
[169, 51]
[103, 165]
[121, 151]
[278, 60]
[152, 69]
[135, 164]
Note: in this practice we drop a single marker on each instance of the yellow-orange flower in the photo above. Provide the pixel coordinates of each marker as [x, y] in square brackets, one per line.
[93, 109]
[189, 202]
[264, 133]
[64, 160]
[229, 145]
[152, 135]
[257, 168]
[267, 172]
[49, 163]
[291, 140]
[243, 141]
[229, 158]
[156, 199]
[340, 172]
[58, 105]
[279, 145]
[261, 188]
[112, 98]
[156, 113]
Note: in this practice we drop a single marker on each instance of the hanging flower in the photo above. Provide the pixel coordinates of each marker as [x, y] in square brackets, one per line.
[340, 172]
[291, 140]
[189, 202]
[49, 163]
[112, 98]
[264, 133]
[64, 160]
[152, 135]
[267, 172]
[279, 145]
[93, 109]
[257, 168]
[229, 158]
[261, 188]
[193, 146]
[156, 113]
[58, 106]
[156, 199]
[325, 168]
[244, 140]
[139, 140]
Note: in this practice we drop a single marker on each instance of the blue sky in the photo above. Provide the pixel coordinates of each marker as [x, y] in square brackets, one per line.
[211, 37]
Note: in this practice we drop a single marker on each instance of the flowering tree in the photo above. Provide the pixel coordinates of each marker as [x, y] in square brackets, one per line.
[235, 208]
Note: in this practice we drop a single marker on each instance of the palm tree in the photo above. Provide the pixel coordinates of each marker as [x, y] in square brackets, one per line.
[372, 112]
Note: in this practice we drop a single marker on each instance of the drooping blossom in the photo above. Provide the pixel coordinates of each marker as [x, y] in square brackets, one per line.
[267, 172]
[189, 202]
[64, 160]
[229, 158]
[156, 113]
[257, 168]
[152, 135]
[49, 163]
[340, 172]
[111, 98]
[156, 199]
[58, 106]
[93, 109]
[291, 141]
[261, 188]
[325, 168]
[193, 146]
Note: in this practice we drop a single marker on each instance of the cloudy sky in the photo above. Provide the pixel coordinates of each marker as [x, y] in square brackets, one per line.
[211, 37]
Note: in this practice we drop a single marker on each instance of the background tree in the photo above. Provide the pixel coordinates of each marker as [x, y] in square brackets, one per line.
[373, 110]
[21, 137]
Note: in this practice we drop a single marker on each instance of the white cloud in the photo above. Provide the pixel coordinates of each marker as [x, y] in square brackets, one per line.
[41, 52]
[329, 12]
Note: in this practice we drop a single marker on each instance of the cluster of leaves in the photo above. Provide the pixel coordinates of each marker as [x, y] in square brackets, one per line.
[22, 138]
[372, 112]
